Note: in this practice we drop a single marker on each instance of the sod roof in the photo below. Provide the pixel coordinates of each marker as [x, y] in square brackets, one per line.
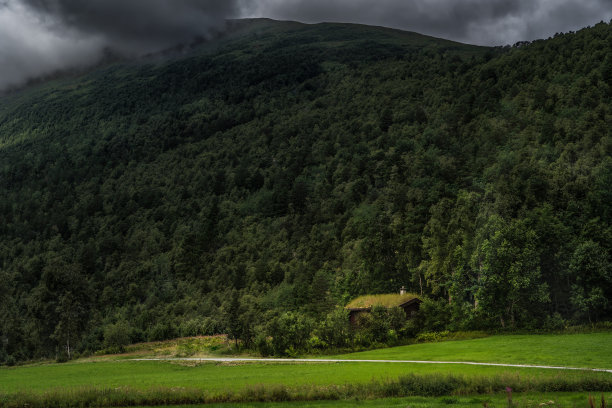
[389, 300]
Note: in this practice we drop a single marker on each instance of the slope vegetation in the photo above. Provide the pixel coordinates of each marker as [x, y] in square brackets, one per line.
[293, 167]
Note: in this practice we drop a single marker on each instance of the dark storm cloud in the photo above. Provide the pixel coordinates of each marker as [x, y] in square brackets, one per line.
[137, 25]
[484, 22]
[29, 50]
[38, 37]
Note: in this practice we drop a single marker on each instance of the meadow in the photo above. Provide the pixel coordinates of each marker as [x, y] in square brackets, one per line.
[220, 377]
[592, 350]
[111, 381]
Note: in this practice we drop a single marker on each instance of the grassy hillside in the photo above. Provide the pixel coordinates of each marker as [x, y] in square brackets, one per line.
[579, 350]
[569, 350]
[218, 377]
[251, 184]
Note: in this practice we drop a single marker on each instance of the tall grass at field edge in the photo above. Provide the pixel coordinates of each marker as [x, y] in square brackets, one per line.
[434, 385]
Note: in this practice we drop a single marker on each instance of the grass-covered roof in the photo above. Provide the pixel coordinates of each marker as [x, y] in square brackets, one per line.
[386, 300]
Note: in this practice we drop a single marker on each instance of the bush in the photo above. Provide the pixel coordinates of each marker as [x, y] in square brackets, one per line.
[62, 357]
[315, 343]
[555, 322]
[362, 339]
[289, 333]
[434, 315]
[392, 337]
[411, 328]
[397, 318]
[210, 327]
[431, 337]
[335, 329]
[10, 361]
[381, 325]
[161, 331]
[190, 328]
[117, 336]
[263, 345]
[378, 324]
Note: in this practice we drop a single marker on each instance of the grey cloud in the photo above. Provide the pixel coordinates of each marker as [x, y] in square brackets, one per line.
[138, 25]
[28, 50]
[39, 37]
[483, 22]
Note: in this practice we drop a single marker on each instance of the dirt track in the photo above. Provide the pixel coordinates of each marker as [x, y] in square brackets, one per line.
[323, 360]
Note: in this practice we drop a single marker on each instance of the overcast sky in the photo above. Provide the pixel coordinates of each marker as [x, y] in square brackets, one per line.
[482, 22]
[38, 37]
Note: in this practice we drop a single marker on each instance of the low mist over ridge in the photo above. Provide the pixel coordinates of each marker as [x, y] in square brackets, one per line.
[479, 22]
[40, 37]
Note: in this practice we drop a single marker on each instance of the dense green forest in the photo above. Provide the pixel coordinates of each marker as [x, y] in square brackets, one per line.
[255, 184]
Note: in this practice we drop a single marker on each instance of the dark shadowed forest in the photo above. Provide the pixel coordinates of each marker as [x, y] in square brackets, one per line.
[256, 184]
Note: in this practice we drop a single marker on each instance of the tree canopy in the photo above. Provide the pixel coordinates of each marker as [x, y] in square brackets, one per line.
[262, 179]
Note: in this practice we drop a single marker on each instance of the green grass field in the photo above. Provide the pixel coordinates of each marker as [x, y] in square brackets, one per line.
[217, 377]
[593, 350]
[580, 350]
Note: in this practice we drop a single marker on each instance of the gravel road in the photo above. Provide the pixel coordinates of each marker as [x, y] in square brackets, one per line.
[333, 360]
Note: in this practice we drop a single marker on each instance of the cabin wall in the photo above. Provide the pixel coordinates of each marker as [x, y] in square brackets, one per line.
[411, 309]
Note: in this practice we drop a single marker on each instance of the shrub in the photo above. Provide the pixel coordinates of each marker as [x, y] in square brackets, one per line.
[555, 322]
[210, 327]
[434, 315]
[62, 357]
[378, 323]
[392, 337]
[396, 318]
[161, 331]
[315, 343]
[263, 345]
[189, 328]
[335, 329]
[289, 333]
[432, 336]
[117, 336]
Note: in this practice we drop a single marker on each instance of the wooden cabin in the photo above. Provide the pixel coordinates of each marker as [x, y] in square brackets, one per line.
[409, 302]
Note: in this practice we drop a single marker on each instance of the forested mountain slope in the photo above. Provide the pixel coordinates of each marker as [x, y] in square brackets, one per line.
[291, 167]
